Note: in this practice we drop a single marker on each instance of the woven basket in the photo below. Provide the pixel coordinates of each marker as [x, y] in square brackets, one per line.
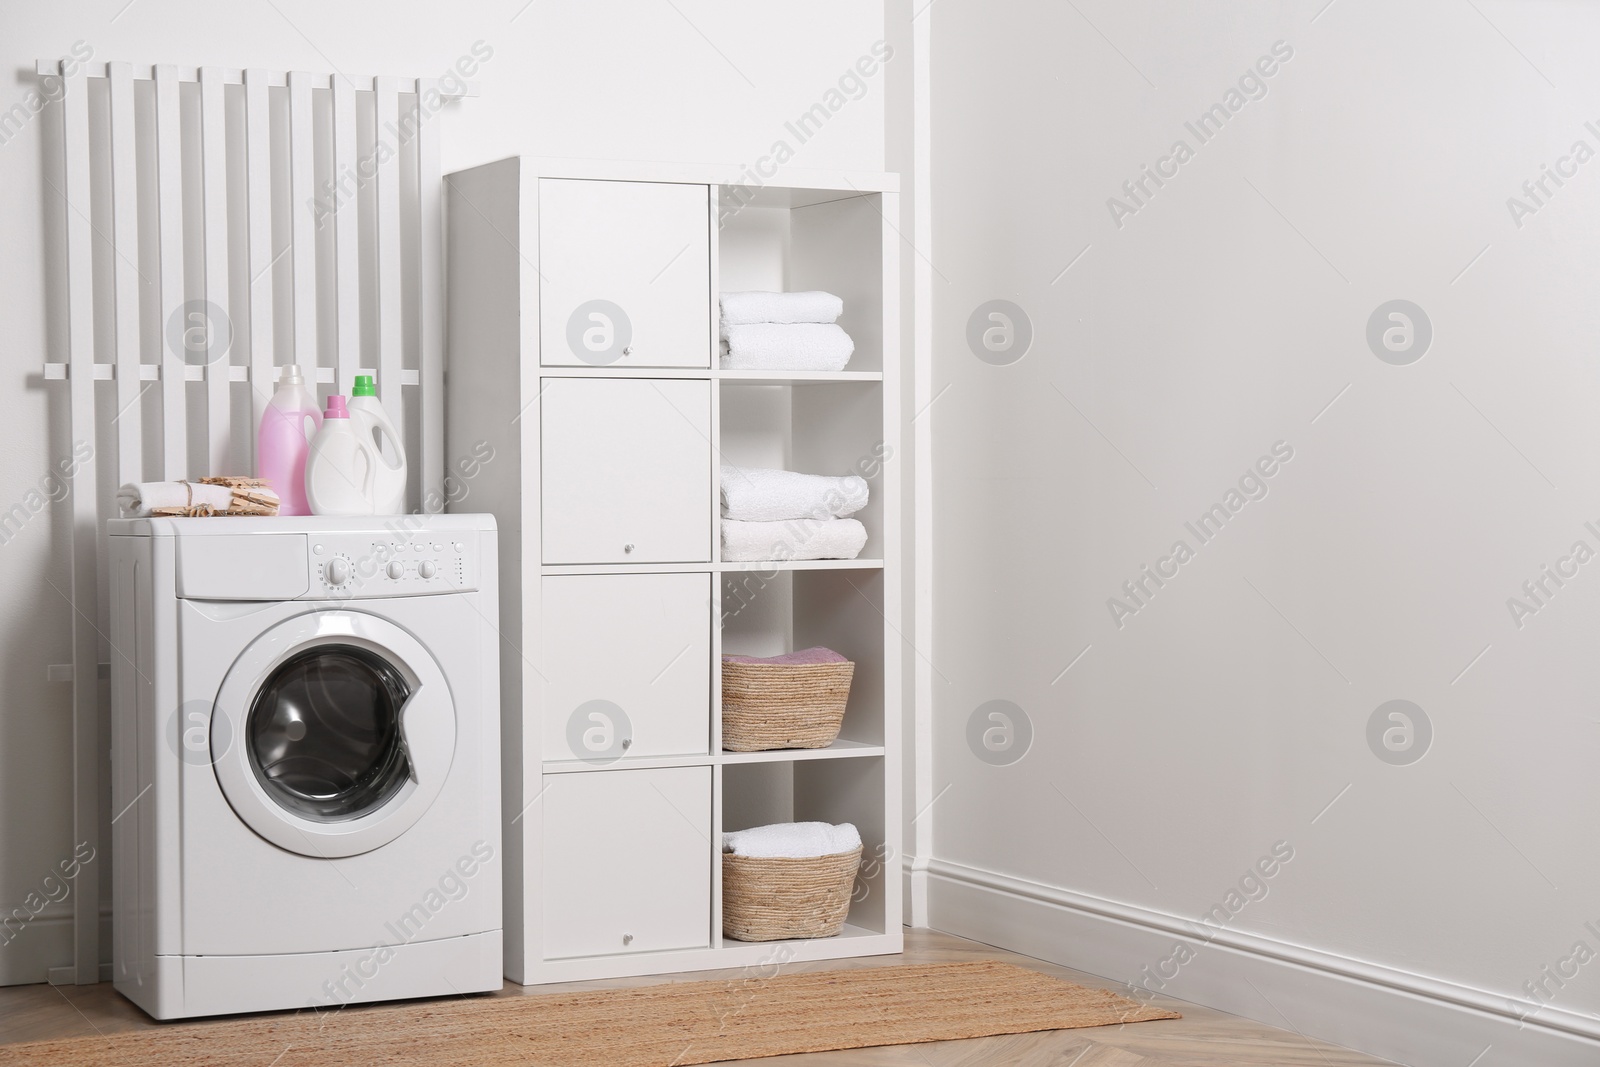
[783, 705]
[778, 899]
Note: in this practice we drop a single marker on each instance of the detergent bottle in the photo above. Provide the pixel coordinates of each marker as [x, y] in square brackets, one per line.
[343, 464]
[283, 441]
[389, 481]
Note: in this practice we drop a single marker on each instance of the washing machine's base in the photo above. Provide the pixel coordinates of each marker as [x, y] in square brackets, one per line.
[180, 987]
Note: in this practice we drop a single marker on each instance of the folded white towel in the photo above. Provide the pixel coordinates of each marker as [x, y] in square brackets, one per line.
[792, 840]
[792, 539]
[786, 346]
[759, 494]
[752, 307]
[138, 499]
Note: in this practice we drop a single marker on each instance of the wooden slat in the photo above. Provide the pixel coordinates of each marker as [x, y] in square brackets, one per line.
[149, 372]
[125, 271]
[346, 233]
[219, 324]
[169, 197]
[235, 76]
[258, 210]
[302, 192]
[390, 279]
[87, 758]
[430, 193]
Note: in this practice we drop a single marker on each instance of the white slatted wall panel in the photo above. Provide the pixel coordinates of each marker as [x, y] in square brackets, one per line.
[216, 329]
[169, 210]
[125, 235]
[431, 304]
[302, 194]
[220, 309]
[391, 315]
[85, 523]
[347, 251]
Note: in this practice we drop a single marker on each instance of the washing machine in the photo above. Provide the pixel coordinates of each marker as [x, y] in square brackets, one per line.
[305, 761]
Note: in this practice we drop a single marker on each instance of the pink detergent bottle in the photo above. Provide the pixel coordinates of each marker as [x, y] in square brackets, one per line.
[285, 440]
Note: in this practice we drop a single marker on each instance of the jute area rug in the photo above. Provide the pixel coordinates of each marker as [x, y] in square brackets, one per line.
[669, 1025]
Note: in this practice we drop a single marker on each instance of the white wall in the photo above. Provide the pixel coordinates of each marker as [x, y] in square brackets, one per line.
[691, 80]
[1221, 318]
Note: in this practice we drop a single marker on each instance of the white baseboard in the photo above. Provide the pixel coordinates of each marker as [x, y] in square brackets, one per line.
[1411, 1019]
[32, 952]
[35, 952]
[914, 893]
[69, 975]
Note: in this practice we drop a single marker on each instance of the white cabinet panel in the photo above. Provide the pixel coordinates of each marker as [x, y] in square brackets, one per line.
[625, 274]
[626, 470]
[627, 666]
[627, 861]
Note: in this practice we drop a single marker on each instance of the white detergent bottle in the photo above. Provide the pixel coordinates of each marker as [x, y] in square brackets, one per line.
[343, 464]
[389, 482]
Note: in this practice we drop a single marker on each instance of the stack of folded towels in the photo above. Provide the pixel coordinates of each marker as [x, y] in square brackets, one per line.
[783, 331]
[781, 515]
[792, 840]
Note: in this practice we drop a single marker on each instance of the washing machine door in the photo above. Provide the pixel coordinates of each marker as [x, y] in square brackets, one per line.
[337, 732]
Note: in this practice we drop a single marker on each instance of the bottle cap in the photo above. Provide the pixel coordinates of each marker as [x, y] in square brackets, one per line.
[290, 375]
[365, 386]
[336, 408]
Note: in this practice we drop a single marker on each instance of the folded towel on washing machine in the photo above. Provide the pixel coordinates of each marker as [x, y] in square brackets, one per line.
[793, 840]
[218, 496]
[793, 539]
[760, 494]
[139, 500]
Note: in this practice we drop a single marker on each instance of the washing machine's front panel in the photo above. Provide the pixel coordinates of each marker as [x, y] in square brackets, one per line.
[246, 892]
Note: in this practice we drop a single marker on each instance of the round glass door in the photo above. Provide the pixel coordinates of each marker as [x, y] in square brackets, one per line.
[324, 732]
[342, 729]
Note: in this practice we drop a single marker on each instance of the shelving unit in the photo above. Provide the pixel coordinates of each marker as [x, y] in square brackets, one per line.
[608, 434]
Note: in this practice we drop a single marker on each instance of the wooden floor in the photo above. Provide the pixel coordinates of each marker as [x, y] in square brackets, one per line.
[1202, 1038]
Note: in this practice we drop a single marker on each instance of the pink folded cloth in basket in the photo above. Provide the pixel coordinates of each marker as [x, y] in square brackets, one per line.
[805, 657]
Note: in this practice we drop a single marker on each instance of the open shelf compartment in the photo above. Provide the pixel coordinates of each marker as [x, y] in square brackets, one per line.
[789, 240]
[768, 614]
[833, 791]
[833, 428]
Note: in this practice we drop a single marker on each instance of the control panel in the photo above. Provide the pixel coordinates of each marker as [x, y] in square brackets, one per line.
[398, 563]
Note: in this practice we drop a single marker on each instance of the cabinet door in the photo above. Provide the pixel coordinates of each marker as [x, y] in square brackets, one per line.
[627, 665]
[625, 274]
[626, 470]
[627, 861]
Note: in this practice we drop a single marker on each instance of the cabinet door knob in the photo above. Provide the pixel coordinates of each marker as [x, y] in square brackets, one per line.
[628, 547]
[627, 939]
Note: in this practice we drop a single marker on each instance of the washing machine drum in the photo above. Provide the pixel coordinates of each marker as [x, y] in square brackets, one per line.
[324, 732]
[336, 733]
